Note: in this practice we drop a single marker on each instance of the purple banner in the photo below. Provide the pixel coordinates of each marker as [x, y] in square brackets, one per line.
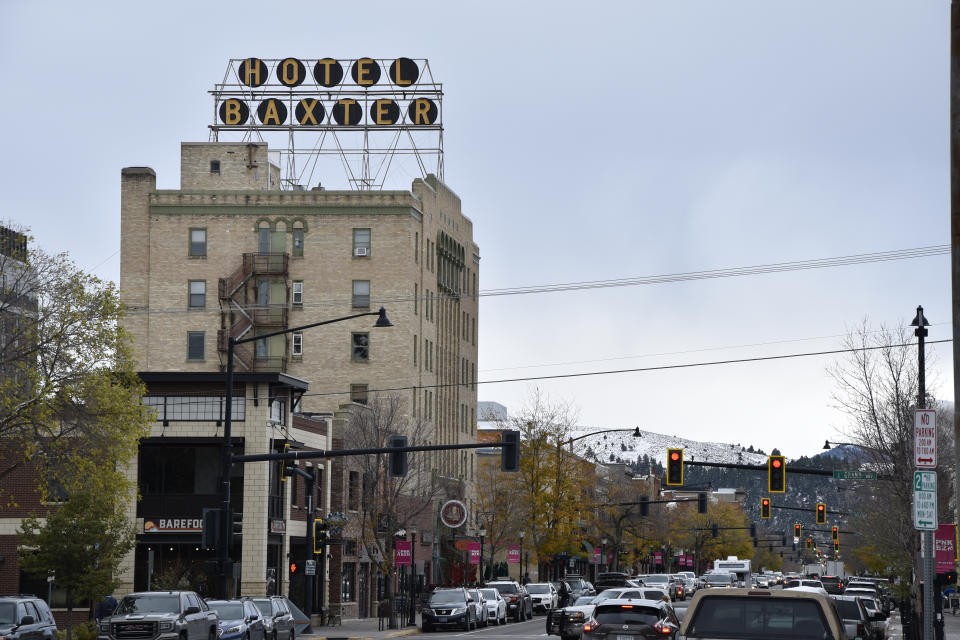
[513, 553]
[474, 548]
[945, 547]
[403, 553]
[596, 556]
[658, 558]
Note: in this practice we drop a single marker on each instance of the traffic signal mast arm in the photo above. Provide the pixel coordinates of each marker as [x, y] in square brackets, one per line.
[763, 467]
[320, 453]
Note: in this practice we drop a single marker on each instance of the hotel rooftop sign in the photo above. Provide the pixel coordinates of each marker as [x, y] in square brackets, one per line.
[392, 106]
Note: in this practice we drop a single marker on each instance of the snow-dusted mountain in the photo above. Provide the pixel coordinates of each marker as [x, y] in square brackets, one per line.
[626, 448]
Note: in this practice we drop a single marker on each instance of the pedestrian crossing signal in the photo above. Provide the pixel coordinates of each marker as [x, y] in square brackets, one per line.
[674, 466]
[765, 508]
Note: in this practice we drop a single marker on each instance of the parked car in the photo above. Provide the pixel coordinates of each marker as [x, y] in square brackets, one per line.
[543, 596]
[479, 605]
[26, 618]
[160, 615]
[613, 619]
[277, 617]
[448, 608]
[239, 620]
[519, 604]
[722, 613]
[856, 619]
[496, 606]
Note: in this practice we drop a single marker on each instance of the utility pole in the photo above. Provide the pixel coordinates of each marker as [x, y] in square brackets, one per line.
[928, 566]
[955, 229]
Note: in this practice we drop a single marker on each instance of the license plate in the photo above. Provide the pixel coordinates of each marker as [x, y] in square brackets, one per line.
[444, 619]
[619, 637]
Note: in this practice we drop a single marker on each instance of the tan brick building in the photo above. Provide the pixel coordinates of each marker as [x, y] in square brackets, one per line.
[232, 254]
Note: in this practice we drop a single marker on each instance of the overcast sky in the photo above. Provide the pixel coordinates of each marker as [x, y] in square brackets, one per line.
[588, 141]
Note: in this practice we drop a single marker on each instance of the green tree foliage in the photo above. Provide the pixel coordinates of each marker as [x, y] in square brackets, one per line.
[68, 385]
[81, 542]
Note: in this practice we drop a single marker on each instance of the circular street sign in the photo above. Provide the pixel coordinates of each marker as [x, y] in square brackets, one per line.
[453, 513]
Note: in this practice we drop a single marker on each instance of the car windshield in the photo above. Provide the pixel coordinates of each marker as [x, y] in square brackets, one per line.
[607, 594]
[230, 611]
[720, 578]
[756, 618]
[264, 606]
[869, 604]
[582, 600]
[489, 594]
[626, 614]
[653, 595]
[507, 587]
[538, 588]
[447, 597]
[149, 603]
[473, 594]
[8, 612]
[657, 577]
[848, 609]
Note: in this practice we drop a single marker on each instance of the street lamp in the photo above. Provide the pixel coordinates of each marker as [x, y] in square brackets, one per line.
[223, 552]
[635, 434]
[482, 533]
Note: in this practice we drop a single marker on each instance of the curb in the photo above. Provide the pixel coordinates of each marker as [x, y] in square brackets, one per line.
[405, 632]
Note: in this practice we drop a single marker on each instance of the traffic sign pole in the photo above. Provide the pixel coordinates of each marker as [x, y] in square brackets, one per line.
[925, 457]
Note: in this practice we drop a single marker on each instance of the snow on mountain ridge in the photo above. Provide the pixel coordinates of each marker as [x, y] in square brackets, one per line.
[624, 446]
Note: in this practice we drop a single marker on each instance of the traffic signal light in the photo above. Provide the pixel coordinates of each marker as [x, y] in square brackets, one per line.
[510, 451]
[210, 534]
[236, 527]
[765, 508]
[836, 546]
[644, 505]
[835, 534]
[702, 502]
[796, 530]
[285, 471]
[714, 530]
[776, 474]
[821, 513]
[809, 543]
[398, 459]
[674, 466]
[320, 535]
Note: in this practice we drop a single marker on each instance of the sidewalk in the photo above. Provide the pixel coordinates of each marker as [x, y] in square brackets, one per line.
[363, 628]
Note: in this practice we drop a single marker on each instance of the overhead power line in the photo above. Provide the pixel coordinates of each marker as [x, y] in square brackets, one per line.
[777, 267]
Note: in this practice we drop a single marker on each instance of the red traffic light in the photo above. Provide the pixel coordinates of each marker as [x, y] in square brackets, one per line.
[776, 463]
[675, 455]
[766, 502]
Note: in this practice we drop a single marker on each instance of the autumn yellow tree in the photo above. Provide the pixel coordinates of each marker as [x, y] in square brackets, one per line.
[690, 530]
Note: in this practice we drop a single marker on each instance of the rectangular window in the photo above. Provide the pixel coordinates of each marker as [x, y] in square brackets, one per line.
[298, 243]
[198, 242]
[215, 167]
[195, 341]
[415, 343]
[353, 491]
[358, 393]
[416, 247]
[361, 242]
[198, 294]
[297, 345]
[361, 294]
[361, 346]
[348, 591]
[263, 240]
[298, 292]
[416, 299]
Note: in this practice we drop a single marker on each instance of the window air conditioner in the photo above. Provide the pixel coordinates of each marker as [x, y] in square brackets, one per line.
[360, 251]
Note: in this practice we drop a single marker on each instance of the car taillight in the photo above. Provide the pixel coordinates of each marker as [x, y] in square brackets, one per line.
[589, 626]
[662, 629]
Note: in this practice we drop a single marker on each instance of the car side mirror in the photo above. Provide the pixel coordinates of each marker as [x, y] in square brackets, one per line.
[27, 620]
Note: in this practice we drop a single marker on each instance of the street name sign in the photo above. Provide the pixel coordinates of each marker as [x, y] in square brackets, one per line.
[924, 439]
[855, 475]
[925, 500]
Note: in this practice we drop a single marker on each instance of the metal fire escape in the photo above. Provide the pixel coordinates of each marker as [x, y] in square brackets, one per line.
[242, 311]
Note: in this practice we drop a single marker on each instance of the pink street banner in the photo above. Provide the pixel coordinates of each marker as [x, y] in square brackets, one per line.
[658, 558]
[403, 553]
[513, 553]
[596, 556]
[474, 548]
[945, 547]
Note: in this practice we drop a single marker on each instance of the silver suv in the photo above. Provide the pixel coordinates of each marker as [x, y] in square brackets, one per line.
[160, 615]
[26, 618]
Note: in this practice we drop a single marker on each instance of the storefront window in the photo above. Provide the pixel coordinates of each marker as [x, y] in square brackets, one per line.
[348, 592]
